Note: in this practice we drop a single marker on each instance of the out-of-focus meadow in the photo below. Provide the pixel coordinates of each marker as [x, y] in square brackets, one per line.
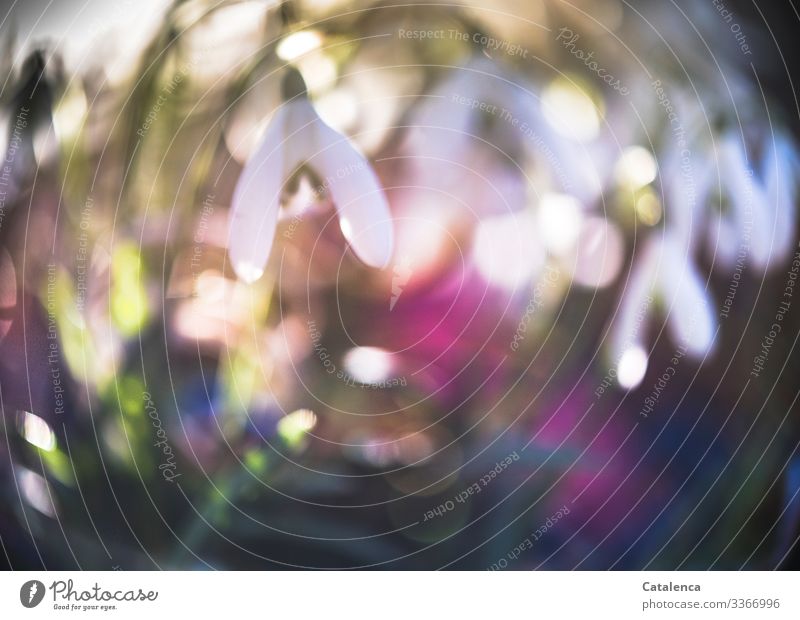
[579, 353]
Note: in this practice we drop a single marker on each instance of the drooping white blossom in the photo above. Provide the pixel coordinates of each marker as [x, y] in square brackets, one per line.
[664, 278]
[295, 137]
[758, 195]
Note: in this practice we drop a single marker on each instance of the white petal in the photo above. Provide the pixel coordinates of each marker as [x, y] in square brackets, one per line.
[442, 125]
[746, 195]
[364, 215]
[299, 134]
[689, 191]
[781, 169]
[256, 202]
[630, 322]
[686, 299]
[723, 241]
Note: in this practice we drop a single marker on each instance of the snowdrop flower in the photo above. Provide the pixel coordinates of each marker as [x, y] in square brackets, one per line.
[664, 276]
[718, 199]
[739, 208]
[461, 144]
[760, 219]
[297, 137]
[486, 121]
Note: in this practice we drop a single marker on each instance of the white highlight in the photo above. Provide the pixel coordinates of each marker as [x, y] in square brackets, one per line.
[368, 364]
[559, 222]
[37, 432]
[298, 44]
[570, 110]
[507, 252]
[636, 168]
[632, 367]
